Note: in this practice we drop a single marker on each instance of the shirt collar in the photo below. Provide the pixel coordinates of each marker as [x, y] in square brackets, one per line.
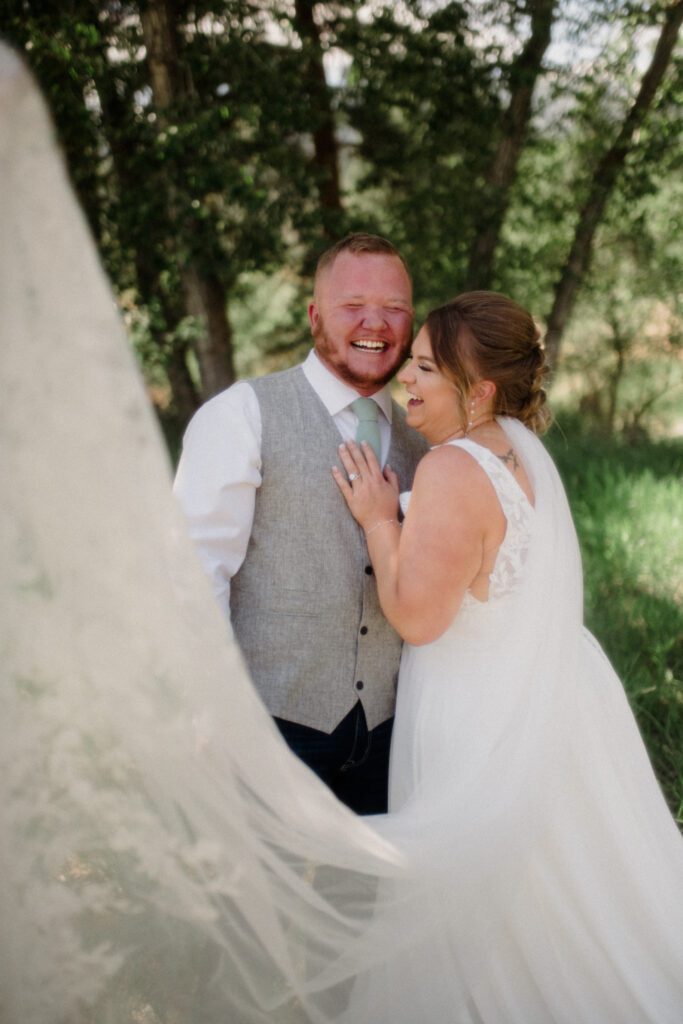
[334, 393]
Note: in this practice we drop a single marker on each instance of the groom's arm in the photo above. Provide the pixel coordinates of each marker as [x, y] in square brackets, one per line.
[216, 482]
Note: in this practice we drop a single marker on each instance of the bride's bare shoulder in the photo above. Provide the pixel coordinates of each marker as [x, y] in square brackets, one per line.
[450, 480]
[449, 466]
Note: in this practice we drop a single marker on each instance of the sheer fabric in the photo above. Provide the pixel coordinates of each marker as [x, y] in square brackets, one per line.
[160, 846]
[164, 857]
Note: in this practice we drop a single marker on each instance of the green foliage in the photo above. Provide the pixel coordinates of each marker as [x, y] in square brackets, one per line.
[627, 503]
[211, 176]
[624, 350]
[225, 178]
[539, 226]
[269, 319]
[424, 105]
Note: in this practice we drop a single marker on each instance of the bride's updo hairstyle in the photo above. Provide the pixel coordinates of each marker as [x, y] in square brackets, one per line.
[487, 336]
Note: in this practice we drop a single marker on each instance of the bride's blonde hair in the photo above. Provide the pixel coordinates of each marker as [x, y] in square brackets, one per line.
[487, 336]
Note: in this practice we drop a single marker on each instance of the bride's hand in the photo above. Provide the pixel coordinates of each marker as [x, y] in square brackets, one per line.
[372, 496]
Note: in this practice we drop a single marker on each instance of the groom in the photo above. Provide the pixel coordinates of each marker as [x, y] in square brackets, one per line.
[287, 562]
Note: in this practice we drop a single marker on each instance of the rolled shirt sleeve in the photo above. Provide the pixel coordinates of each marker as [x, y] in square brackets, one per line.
[218, 474]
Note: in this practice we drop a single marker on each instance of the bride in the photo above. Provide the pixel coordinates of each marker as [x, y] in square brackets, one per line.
[518, 781]
[165, 858]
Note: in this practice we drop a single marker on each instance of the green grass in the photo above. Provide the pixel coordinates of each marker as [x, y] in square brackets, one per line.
[627, 503]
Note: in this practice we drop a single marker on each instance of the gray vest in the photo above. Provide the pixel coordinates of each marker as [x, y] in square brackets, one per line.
[304, 603]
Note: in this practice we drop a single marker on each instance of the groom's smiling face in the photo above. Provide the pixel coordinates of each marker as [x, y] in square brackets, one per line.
[361, 318]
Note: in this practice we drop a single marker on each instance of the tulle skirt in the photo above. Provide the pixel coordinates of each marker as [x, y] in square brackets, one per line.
[554, 893]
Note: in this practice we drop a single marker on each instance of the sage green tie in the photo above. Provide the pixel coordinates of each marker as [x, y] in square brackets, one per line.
[367, 412]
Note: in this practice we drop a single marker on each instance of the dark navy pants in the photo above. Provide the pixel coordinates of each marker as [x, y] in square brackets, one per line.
[352, 760]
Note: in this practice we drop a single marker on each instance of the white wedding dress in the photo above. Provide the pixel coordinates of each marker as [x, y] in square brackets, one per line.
[521, 789]
[165, 859]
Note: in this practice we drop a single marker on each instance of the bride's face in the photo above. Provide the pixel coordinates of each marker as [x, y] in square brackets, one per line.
[433, 405]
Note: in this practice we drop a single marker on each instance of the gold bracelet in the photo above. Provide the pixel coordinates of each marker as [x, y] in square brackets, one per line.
[382, 522]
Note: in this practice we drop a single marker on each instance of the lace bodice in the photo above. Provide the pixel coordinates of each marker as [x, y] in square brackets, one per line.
[519, 513]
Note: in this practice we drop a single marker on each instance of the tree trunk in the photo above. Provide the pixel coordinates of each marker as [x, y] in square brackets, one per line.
[204, 294]
[162, 55]
[503, 170]
[185, 398]
[619, 344]
[326, 154]
[603, 183]
[205, 298]
[115, 122]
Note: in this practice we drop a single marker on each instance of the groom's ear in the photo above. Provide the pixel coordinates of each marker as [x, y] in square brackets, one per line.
[313, 315]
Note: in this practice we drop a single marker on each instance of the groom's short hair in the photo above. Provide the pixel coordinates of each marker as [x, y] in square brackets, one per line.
[360, 243]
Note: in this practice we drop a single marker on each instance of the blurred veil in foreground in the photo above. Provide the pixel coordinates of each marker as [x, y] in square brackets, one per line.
[164, 857]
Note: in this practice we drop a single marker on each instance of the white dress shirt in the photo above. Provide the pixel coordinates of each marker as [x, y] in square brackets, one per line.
[220, 466]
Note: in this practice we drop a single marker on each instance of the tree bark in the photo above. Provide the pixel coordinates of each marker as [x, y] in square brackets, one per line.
[326, 153]
[503, 170]
[619, 345]
[204, 295]
[163, 59]
[205, 298]
[605, 177]
[115, 121]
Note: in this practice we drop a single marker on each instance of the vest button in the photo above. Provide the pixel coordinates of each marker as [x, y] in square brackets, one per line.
[359, 685]
[368, 570]
[363, 630]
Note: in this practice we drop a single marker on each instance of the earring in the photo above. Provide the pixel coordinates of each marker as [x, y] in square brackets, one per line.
[470, 421]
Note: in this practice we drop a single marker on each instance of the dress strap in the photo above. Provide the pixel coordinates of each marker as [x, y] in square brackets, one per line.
[507, 488]
[509, 567]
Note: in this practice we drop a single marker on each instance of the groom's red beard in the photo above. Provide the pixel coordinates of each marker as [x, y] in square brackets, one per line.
[355, 367]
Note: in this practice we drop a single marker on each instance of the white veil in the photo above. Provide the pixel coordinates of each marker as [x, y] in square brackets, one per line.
[157, 835]
[164, 857]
